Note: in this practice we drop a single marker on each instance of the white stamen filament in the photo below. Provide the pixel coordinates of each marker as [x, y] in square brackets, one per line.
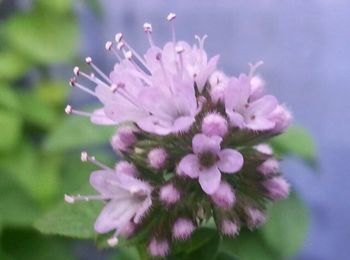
[73, 82]
[159, 58]
[89, 62]
[171, 18]
[138, 56]
[72, 199]
[254, 67]
[147, 27]
[85, 157]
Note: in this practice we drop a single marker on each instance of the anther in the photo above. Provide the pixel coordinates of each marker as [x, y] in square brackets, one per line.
[76, 71]
[108, 45]
[68, 109]
[84, 156]
[69, 199]
[147, 27]
[171, 16]
[88, 60]
[128, 55]
[120, 45]
[113, 241]
[179, 49]
[118, 37]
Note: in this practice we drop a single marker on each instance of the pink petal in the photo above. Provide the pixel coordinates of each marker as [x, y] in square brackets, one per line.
[99, 117]
[260, 124]
[183, 124]
[231, 161]
[236, 119]
[209, 179]
[189, 165]
[141, 212]
[106, 182]
[263, 106]
[202, 143]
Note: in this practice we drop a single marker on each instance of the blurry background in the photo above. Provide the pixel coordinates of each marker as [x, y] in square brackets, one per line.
[305, 47]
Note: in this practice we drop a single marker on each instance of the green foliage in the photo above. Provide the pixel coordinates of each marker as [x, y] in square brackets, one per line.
[10, 125]
[41, 36]
[8, 98]
[287, 226]
[72, 220]
[296, 141]
[76, 132]
[12, 65]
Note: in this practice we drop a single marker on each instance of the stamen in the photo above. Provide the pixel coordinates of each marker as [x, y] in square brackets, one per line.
[159, 58]
[85, 157]
[68, 109]
[138, 56]
[109, 47]
[171, 18]
[201, 46]
[118, 37]
[76, 71]
[179, 50]
[147, 27]
[73, 82]
[69, 199]
[89, 62]
[254, 67]
[113, 241]
[72, 199]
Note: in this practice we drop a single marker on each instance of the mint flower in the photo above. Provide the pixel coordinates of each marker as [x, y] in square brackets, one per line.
[193, 142]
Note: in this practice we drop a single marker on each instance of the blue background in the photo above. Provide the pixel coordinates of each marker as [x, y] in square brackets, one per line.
[305, 47]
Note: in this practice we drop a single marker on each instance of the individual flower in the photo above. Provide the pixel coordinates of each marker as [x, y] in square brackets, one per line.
[255, 217]
[277, 188]
[123, 139]
[157, 158]
[128, 198]
[224, 196]
[229, 228]
[244, 113]
[214, 124]
[208, 161]
[182, 228]
[169, 194]
[158, 248]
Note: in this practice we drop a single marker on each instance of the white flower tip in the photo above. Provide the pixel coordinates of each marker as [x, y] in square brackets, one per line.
[147, 27]
[179, 49]
[68, 110]
[128, 55]
[113, 241]
[171, 16]
[118, 37]
[120, 45]
[69, 199]
[108, 45]
[88, 60]
[72, 81]
[84, 156]
[76, 71]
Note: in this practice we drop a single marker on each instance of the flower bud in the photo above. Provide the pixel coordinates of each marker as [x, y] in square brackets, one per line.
[127, 168]
[157, 158]
[182, 228]
[255, 217]
[224, 196]
[277, 188]
[214, 125]
[229, 228]
[123, 139]
[169, 194]
[269, 167]
[158, 248]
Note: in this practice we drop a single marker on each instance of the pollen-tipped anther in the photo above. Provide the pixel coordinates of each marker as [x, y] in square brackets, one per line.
[69, 199]
[171, 16]
[76, 71]
[118, 37]
[147, 27]
[108, 45]
[84, 157]
[68, 110]
[88, 60]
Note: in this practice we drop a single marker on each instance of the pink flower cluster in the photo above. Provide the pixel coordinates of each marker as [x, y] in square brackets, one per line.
[192, 139]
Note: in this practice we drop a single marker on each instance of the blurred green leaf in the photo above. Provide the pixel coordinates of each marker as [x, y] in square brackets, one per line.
[52, 93]
[11, 129]
[77, 132]
[36, 112]
[129, 253]
[28, 244]
[248, 246]
[12, 65]
[225, 256]
[296, 141]
[16, 207]
[37, 173]
[72, 220]
[286, 227]
[60, 6]
[202, 245]
[8, 98]
[42, 36]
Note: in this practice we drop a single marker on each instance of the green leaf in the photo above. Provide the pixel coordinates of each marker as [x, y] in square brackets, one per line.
[12, 65]
[28, 244]
[52, 93]
[129, 253]
[36, 173]
[72, 220]
[77, 132]
[11, 130]
[59, 6]
[286, 227]
[37, 113]
[247, 246]
[8, 98]
[42, 36]
[296, 141]
[16, 207]
[225, 256]
[203, 245]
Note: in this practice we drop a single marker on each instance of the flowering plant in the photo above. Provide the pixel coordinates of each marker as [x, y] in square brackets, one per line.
[193, 141]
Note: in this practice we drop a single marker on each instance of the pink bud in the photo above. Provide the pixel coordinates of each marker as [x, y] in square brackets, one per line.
[157, 158]
[229, 228]
[277, 188]
[282, 117]
[158, 248]
[264, 148]
[255, 217]
[169, 194]
[224, 196]
[214, 124]
[123, 139]
[269, 167]
[127, 168]
[182, 228]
